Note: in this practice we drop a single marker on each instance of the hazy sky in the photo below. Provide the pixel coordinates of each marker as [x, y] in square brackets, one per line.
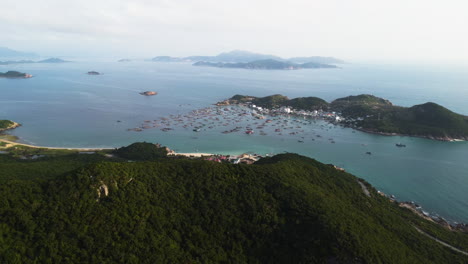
[413, 30]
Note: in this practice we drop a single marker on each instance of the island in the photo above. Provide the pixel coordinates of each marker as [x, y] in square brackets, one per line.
[93, 73]
[8, 124]
[148, 93]
[247, 56]
[15, 75]
[268, 64]
[368, 113]
[53, 60]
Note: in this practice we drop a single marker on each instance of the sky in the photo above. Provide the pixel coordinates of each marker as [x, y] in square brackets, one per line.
[362, 30]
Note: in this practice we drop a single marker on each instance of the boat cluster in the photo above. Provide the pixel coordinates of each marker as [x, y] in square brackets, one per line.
[241, 119]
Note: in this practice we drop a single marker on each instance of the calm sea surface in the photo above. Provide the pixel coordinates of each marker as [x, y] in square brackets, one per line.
[62, 106]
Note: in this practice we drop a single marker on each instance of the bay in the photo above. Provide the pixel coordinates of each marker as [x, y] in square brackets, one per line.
[64, 107]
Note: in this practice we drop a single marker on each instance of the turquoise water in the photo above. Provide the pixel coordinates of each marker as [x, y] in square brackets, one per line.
[62, 106]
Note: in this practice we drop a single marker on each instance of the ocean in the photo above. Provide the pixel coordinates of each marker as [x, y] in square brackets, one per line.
[62, 106]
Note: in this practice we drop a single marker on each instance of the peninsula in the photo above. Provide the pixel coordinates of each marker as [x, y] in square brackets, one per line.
[15, 75]
[268, 64]
[8, 124]
[370, 114]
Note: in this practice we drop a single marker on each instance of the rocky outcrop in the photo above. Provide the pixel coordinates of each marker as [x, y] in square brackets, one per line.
[149, 93]
[102, 190]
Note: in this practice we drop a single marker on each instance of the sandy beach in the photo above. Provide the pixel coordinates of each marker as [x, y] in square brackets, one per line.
[12, 144]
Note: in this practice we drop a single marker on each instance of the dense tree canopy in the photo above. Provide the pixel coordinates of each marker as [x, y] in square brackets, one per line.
[141, 151]
[284, 209]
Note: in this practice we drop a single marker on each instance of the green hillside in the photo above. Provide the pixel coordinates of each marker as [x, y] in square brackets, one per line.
[284, 209]
[278, 100]
[379, 115]
[366, 100]
[308, 103]
[7, 124]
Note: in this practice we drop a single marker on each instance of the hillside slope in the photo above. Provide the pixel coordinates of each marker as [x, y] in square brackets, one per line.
[428, 120]
[285, 209]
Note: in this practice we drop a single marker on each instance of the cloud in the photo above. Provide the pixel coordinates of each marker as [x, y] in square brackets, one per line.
[355, 29]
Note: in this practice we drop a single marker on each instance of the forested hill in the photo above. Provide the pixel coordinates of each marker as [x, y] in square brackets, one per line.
[285, 209]
[374, 114]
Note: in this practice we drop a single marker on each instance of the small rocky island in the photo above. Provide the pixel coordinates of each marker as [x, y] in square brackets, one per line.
[8, 124]
[15, 75]
[368, 113]
[93, 73]
[148, 93]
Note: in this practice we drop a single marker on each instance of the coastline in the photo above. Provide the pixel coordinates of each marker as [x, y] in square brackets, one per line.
[445, 139]
[12, 144]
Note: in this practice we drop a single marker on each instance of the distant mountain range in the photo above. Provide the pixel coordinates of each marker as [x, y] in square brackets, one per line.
[268, 64]
[9, 53]
[50, 60]
[239, 56]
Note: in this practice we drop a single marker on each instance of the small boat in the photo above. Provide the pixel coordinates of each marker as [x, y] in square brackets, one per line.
[249, 132]
[400, 145]
[196, 130]
[369, 153]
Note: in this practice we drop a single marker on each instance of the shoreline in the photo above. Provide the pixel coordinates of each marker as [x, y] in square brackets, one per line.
[447, 139]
